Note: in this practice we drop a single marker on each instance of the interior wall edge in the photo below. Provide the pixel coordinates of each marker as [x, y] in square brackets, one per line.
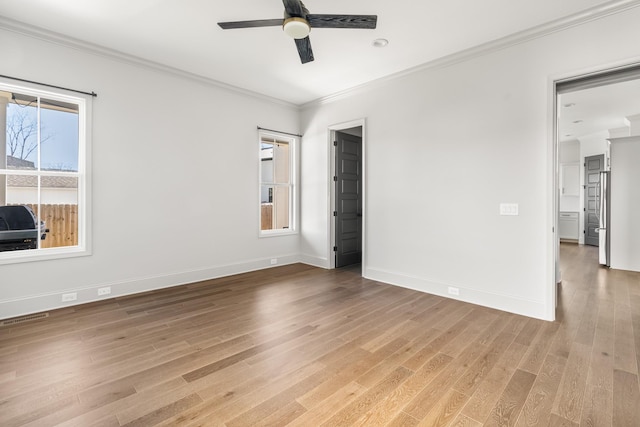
[315, 261]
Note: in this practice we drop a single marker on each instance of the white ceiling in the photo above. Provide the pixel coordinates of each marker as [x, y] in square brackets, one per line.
[183, 34]
[597, 110]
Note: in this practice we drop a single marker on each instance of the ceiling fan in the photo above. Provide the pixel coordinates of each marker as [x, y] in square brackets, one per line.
[297, 23]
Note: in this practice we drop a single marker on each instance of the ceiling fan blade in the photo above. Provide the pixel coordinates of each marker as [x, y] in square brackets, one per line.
[343, 21]
[304, 49]
[251, 24]
[295, 8]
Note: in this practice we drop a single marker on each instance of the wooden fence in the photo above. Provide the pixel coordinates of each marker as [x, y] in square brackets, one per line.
[62, 222]
[266, 216]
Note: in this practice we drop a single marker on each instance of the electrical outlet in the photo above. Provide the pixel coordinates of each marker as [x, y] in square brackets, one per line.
[69, 297]
[274, 261]
[453, 291]
[104, 291]
[509, 209]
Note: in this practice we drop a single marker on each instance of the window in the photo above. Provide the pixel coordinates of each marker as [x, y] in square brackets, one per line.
[43, 174]
[277, 195]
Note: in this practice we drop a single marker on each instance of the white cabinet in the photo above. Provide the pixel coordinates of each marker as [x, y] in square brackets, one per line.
[570, 179]
[568, 226]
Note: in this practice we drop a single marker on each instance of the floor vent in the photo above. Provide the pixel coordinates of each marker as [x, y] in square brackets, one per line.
[24, 319]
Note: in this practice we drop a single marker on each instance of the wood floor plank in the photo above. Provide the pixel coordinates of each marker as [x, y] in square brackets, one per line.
[317, 414]
[165, 412]
[481, 368]
[445, 410]
[569, 399]
[393, 404]
[302, 346]
[507, 410]
[624, 345]
[539, 347]
[368, 400]
[598, 400]
[626, 410]
[489, 391]
[428, 397]
[539, 403]
[403, 420]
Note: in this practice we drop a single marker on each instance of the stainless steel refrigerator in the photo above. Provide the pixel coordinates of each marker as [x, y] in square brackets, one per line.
[604, 228]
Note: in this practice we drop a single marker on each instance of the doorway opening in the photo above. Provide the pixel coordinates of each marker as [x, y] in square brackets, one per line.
[591, 111]
[347, 183]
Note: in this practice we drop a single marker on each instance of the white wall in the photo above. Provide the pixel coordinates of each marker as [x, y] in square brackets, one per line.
[175, 174]
[625, 203]
[444, 147]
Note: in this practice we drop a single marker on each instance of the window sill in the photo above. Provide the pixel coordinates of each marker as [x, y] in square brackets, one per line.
[16, 257]
[276, 233]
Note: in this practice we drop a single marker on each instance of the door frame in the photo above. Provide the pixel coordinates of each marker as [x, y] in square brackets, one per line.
[553, 167]
[332, 189]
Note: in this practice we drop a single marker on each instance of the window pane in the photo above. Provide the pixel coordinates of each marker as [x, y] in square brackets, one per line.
[281, 162]
[281, 200]
[266, 163]
[59, 210]
[275, 207]
[22, 132]
[276, 184]
[266, 207]
[58, 136]
[41, 173]
[18, 219]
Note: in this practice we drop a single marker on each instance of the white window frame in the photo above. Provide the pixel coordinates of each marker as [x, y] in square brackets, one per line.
[83, 175]
[293, 196]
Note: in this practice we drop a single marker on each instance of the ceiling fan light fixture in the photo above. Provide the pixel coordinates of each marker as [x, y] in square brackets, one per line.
[296, 28]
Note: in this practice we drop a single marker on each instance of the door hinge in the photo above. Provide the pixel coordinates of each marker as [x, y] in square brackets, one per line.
[335, 213]
[335, 249]
[335, 143]
[335, 178]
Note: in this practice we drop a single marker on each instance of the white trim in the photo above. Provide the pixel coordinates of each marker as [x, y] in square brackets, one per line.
[592, 14]
[553, 255]
[83, 174]
[50, 301]
[294, 195]
[504, 302]
[331, 190]
[315, 261]
[94, 49]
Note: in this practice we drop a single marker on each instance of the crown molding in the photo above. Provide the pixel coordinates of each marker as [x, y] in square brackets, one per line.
[588, 15]
[94, 49]
[595, 13]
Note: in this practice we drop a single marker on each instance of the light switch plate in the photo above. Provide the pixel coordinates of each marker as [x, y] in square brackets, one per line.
[508, 209]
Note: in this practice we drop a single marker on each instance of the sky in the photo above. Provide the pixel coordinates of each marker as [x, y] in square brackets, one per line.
[60, 150]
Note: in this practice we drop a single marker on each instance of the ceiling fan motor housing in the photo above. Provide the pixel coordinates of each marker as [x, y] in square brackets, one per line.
[297, 28]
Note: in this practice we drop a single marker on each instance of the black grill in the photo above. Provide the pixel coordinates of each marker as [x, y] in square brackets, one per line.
[18, 228]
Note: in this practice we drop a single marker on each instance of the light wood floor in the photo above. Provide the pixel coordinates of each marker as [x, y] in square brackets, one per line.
[303, 346]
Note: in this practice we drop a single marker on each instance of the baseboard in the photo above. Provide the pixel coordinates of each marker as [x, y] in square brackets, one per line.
[51, 301]
[574, 241]
[315, 261]
[529, 308]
